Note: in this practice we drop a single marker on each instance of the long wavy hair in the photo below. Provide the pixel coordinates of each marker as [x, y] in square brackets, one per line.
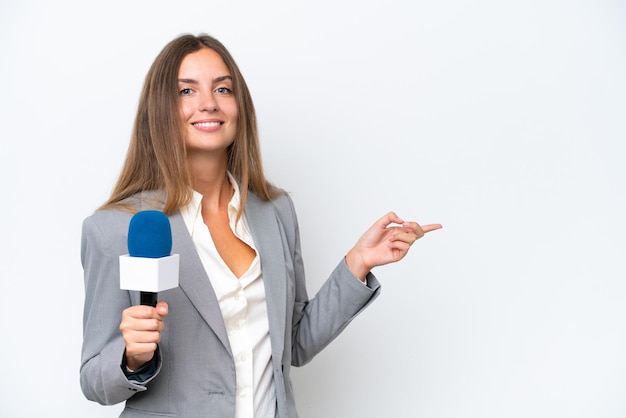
[156, 158]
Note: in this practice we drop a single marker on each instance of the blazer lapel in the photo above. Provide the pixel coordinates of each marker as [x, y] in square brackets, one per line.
[194, 280]
[268, 239]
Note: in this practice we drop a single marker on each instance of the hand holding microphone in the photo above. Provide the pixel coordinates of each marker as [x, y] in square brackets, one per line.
[141, 329]
[148, 268]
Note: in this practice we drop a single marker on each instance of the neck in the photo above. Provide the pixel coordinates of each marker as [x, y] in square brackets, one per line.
[210, 179]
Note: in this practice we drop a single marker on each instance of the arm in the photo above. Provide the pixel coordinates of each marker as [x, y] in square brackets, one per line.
[320, 320]
[101, 376]
[317, 322]
[342, 297]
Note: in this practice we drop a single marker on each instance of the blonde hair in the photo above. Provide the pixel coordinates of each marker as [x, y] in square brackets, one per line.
[156, 158]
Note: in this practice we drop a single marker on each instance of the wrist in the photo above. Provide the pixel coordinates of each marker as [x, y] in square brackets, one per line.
[132, 364]
[356, 266]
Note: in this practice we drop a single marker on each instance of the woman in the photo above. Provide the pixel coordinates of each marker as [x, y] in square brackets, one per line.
[223, 342]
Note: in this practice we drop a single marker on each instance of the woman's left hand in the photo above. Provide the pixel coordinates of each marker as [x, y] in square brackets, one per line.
[383, 244]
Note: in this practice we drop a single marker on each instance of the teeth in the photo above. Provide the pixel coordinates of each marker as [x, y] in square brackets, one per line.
[207, 124]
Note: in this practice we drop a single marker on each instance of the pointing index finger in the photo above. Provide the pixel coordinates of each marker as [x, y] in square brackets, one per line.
[431, 227]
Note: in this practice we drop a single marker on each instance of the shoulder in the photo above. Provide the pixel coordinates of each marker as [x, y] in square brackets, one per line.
[287, 218]
[105, 231]
[285, 209]
[280, 207]
[111, 222]
[283, 201]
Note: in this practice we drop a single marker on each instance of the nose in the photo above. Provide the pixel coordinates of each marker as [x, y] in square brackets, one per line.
[208, 103]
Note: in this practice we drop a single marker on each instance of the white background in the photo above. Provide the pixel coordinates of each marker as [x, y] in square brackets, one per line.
[503, 120]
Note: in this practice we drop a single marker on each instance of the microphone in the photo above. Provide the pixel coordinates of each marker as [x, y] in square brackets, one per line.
[149, 267]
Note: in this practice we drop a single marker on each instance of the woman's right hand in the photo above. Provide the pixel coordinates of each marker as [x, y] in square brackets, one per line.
[141, 329]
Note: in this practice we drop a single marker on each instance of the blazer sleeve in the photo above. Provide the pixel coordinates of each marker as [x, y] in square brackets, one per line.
[318, 321]
[101, 376]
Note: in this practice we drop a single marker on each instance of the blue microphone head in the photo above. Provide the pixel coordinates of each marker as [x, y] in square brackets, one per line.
[149, 235]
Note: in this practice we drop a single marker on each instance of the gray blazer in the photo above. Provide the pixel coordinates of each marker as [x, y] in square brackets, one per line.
[196, 373]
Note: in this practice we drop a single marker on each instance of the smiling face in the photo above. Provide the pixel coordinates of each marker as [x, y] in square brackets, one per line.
[206, 101]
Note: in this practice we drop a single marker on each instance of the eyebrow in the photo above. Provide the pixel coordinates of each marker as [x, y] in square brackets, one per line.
[215, 80]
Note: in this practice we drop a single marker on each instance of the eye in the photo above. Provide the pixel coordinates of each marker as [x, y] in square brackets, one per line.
[185, 92]
[223, 90]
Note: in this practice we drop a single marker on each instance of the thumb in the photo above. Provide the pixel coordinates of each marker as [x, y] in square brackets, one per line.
[388, 219]
[162, 308]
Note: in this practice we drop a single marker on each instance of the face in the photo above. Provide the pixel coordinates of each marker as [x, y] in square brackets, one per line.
[207, 103]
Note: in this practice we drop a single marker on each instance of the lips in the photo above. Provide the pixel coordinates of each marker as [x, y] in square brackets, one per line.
[207, 125]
